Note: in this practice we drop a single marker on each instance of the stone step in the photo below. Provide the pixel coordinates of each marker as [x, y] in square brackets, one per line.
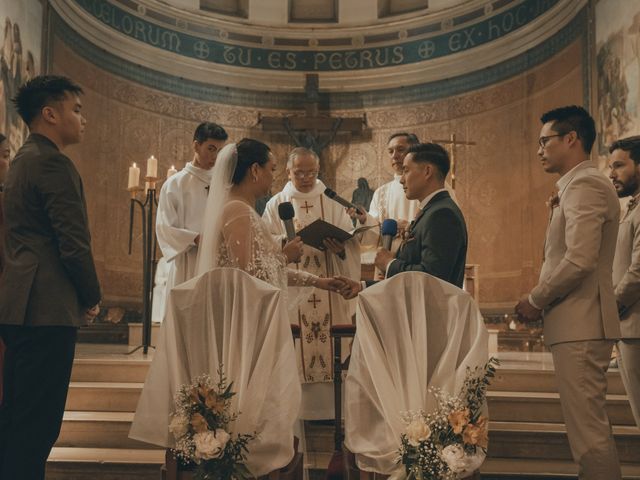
[103, 396]
[135, 333]
[66, 463]
[118, 369]
[545, 407]
[536, 440]
[98, 430]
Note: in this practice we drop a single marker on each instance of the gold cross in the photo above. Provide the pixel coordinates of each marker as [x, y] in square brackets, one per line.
[452, 143]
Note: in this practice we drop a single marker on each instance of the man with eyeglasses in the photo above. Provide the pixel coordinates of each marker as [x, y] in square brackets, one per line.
[575, 294]
[319, 309]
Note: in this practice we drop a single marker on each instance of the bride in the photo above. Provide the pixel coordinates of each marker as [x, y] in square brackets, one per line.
[233, 313]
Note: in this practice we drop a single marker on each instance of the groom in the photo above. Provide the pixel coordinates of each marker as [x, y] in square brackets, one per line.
[436, 241]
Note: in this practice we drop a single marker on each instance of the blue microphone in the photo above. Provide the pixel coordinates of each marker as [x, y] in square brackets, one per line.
[389, 230]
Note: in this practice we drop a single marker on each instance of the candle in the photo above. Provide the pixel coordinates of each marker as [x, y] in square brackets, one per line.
[147, 186]
[134, 176]
[152, 167]
[171, 171]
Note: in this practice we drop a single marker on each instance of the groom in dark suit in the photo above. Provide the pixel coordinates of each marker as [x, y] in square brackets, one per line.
[436, 240]
[49, 285]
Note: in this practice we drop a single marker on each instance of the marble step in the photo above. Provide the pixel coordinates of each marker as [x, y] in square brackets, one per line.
[69, 463]
[98, 430]
[103, 396]
[119, 369]
[135, 333]
[545, 407]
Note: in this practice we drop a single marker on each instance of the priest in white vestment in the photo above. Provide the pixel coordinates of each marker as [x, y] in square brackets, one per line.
[319, 309]
[181, 207]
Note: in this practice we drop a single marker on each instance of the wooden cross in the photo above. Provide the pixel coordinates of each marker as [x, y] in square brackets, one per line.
[306, 131]
[306, 206]
[314, 300]
[452, 143]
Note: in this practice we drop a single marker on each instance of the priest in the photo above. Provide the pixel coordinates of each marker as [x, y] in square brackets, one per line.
[317, 309]
[181, 207]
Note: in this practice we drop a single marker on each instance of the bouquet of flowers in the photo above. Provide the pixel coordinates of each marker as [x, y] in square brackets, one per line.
[200, 426]
[451, 442]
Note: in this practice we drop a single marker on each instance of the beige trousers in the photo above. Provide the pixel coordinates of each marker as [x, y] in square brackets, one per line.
[581, 369]
[629, 365]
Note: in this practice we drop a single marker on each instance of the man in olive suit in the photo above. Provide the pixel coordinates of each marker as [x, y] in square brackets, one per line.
[625, 174]
[49, 284]
[575, 290]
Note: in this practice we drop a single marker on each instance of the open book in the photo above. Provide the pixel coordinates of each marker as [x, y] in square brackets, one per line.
[315, 233]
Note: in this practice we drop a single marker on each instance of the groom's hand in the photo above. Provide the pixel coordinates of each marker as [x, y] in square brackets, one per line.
[346, 287]
[526, 311]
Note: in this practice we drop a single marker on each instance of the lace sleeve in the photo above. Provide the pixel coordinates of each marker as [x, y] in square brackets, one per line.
[300, 278]
[238, 234]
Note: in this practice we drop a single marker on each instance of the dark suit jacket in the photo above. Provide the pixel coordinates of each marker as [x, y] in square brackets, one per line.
[436, 242]
[49, 275]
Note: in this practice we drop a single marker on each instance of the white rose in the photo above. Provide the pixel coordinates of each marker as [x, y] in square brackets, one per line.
[179, 426]
[453, 455]
[418, 431]
[210, 444]
[460, 462]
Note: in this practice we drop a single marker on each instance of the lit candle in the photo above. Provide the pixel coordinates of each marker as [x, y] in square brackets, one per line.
[171, 171]
[134, 176]
[152, 167]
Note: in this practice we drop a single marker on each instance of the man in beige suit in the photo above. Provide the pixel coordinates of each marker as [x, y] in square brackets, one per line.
[625, 174]
[575, 291]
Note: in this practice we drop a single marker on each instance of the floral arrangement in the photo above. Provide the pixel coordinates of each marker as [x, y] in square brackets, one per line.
[200, 426]
[451, 442]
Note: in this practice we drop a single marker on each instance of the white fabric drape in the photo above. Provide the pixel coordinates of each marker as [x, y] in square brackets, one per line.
[414, 331]
[227, 316]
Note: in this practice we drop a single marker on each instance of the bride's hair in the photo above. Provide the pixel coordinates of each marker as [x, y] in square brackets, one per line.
[249, 152]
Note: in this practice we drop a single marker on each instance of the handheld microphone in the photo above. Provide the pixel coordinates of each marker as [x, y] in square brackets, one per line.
[286, 214]
[388, 230]
[345, 203]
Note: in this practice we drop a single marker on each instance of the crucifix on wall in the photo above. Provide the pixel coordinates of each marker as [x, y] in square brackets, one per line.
[313, 130]
[451, 145]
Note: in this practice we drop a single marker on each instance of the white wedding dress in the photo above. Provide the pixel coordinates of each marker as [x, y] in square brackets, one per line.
[234, 314]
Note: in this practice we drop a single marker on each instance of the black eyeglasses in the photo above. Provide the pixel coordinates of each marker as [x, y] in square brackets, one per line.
[542, 141]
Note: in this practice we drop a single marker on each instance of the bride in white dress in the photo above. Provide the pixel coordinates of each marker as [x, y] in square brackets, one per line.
[224, 316]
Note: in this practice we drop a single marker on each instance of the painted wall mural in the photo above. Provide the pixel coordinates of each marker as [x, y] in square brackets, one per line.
[20, 50]
[618, 69]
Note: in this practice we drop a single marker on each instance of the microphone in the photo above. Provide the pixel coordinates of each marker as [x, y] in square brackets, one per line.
[286, 214]
[388, 230]
[345, 203]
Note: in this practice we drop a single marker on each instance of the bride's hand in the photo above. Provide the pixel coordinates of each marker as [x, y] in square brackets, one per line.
[293, 249]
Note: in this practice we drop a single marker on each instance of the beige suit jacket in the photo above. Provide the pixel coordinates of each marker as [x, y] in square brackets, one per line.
[626, 272]
[575, 289]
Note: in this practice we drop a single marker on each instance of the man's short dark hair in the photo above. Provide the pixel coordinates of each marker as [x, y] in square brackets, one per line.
[573, 118]
[42, 91]
[432, 153]
[629, 144]
[412, 138]
[209, 131]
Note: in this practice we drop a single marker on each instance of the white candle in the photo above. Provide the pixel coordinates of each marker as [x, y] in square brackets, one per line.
[171, 171]
[147, 185]
[152, 167]
[134, 176]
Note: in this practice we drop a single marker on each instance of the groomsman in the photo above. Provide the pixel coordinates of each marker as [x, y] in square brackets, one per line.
[49, 285]
[625, 174]
[575, 291]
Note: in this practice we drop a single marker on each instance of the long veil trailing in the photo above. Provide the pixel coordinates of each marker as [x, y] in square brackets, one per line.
[221, 182]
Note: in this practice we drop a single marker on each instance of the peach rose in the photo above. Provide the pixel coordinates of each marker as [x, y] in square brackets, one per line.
[199, 423]
[478, 433]
[458, 419]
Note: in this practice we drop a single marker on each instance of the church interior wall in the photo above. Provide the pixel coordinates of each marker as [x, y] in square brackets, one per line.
[500, 184]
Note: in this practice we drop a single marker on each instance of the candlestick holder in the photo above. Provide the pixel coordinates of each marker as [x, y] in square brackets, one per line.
[149, 247]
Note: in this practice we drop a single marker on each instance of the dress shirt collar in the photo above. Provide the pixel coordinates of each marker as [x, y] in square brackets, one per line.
[567, 177]
[426, 201]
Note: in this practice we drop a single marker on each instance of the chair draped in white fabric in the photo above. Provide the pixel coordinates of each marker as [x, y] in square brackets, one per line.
[414, 331]
[226, 316]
